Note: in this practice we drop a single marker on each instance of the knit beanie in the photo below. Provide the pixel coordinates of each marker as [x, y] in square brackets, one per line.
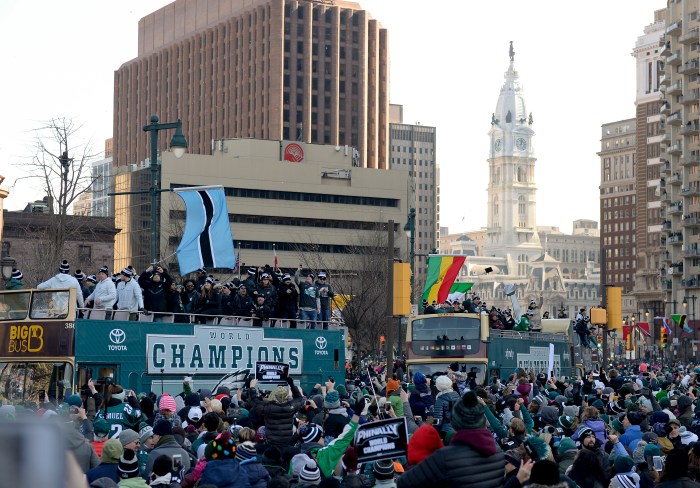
[222, 447]
[665, 403]
[272, 457]
[167, 403]
[245, 450]
[638, 454]
[310, 433]
[101, 426]
[384, 469]
[571, 411]
[468, 413]
[617, 425]
[350, 460]
[17, 274]
[162, 465]
[392, 385]
[64, 267]
[332, 400]
[111, 451]
[545, 473]
[163, 427]
[629, 480]
[423, 443]
[566, 444]
[74, 401]
[342, 391]
[659, 416]
[145, 432]
[623, 464]
[280, 395]
[127, 436]
[443, 383]
[128, 465]
[419, 378]
[651, 450]
[684, 402]
[310, 473]
[566, 422]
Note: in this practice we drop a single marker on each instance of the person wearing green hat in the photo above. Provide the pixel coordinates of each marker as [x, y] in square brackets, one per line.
[566, 450]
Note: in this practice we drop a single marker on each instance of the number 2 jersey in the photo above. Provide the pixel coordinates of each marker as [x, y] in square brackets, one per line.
[121, 416]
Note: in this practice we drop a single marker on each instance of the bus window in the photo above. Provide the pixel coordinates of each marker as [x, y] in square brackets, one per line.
[50, 304]
[27, 381]
[451, 328]
[475, 371]
[14, 306]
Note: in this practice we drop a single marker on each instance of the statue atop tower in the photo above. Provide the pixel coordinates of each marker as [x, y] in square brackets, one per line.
[511, 52]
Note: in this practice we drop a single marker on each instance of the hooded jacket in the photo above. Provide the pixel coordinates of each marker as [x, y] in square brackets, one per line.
[442, 408]
[104, 296]
[167, 445]
[63, 280]
[472, 459]
[84, 453]
[279, 419]
[14, 284]
[421, 399]
[258, 477]
[129, 296]
[226, 473]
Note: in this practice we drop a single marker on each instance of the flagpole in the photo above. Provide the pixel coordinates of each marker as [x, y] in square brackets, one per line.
[238, 261]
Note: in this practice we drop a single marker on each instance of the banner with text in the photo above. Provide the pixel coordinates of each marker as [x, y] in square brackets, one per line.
[269, 372]
[385, 439]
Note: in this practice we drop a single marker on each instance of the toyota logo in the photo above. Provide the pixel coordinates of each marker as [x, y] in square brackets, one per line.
[117, 336]
[321, 342]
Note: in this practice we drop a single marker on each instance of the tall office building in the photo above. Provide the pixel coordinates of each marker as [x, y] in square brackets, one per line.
[618, 239]
[311, 71]
[680, 87]
[650, 215]
[413, 151]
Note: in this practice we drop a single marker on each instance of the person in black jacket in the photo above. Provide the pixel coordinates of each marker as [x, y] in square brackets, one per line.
[260, 311]
[267, 290]
[155, 283]
[288, 298]
[278, 412]
[209, 302]
[227, 298]
[242, 302]
[175, 304]
[472, 459]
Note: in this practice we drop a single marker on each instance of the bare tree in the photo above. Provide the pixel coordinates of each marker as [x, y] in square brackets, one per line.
[64, 172]
[359, 273]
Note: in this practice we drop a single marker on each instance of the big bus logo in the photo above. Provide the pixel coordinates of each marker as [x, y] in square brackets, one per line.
[26, 338]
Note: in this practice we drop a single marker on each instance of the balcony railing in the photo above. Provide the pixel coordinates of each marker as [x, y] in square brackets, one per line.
[690, 221]
[674, 59]
[676, 238]
[676, 179]
[674, 28]
[689, 67]
[665, 107]
[674, 119]
[676, 148]
[676, 88]
[690, 36]
[691, 252]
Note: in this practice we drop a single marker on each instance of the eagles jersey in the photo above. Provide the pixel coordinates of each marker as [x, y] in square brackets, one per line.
[119, 417]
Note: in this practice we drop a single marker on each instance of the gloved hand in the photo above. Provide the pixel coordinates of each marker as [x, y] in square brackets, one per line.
[359, 406]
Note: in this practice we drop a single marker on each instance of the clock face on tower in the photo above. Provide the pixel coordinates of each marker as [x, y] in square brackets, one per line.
[521, 144]
[498, 145]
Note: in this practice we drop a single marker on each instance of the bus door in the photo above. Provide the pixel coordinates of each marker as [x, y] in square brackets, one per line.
[100, 374]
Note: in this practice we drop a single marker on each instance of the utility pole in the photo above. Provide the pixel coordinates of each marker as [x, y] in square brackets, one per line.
[390, 300]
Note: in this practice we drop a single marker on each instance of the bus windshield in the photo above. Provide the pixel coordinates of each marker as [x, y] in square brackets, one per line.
[447, 328]
[29, 381]
[475, 371]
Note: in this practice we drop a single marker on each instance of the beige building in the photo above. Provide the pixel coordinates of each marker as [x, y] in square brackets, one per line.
[312, 71]
[303, 199]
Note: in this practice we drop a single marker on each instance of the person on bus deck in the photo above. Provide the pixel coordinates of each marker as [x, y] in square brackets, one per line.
[242, 302]
[268, 290]
[545, 316]
[63, 279]
[325, 294]
[90, 284]
[104, 296]
[260, 311]
[535, 319]
[129, 296]
[175, 306]
[201, 278]
[155, 283]
[15, 282]
[309, 302]
[509, 321]
[209, 301]
[288, 302]
[189, 297]
[80, 276]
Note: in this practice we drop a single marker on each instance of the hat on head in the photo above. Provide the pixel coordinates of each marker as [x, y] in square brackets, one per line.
[145, 432]
[332, 400]
[392, 385]
[310, 433]
[650, 438]
[651, 450]
[566, 444]
[128, 465]
[222, 447]
[342, 391]
[272, 456]
[384, 469]
[454, 366]
[617, 425]
[598, 385]
[310, 473]
[540, 399]
[127, 272]
[101, 426]
[419, 378]
[202, 270]
[64, 267]
[628, 480]
[350, 459]
[252, 271]
[104, 269]
[79, 275]
[163, 427]
[684, 402]
[209, 280]
[17, 274]
[322, 275]
[623, 464]
[91, 278]
[287, 277]
[245, 450]
[167, 403]
[162, 465]
[584, 432]
[194, 414]
[424, 441]
[566, 422]
[74, 401]
[111, 451]
[665, 403]
[468, 413]
[127, 436]
[265, 276]
[279, 395]
[545, 473]
[443, 383]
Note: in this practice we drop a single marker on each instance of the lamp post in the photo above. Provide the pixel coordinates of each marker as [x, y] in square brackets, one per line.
[178, 144]
[695, 332]
[7, 264]
[410, 229]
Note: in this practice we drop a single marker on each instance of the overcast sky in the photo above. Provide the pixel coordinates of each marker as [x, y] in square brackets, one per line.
[447, 63]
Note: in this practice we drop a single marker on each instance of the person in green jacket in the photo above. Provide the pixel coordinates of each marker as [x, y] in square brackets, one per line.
[327, 457]
[15, 282]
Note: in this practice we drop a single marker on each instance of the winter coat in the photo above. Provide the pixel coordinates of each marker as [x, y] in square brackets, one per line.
[279, 420]
[226, 473]
[631, 437]
[155, 294]
[242, 305]
[14, 284]
[287, 301]
[270, 294]
[209, 306]
[443, 412]
[396, 402]
[63, 280]
[421, 400]
[566, 459]
[129, 296]
[133, 483]
[167, 445]
[258, 477]
[335, 422]
[472, 459]
[104, 296]
[104, 470]
[84, 453]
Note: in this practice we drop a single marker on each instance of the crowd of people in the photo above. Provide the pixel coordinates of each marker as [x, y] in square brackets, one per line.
[260, 294]
[632, 426]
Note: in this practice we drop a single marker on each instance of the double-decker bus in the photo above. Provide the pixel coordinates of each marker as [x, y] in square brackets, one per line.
[435, 341]
[37, 344]
[44, 349]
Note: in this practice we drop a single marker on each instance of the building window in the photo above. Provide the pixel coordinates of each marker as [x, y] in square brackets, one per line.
[85, 254]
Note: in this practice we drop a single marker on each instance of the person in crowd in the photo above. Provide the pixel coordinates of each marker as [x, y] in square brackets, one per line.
[64, 280]
[129, 295]
[242, 303]
[209, 302]
[104, 295]
[121, 410]
[288, 298]
[155, 283]
[128, 470]
[165, 444]
[325, 295]
[109, 461]
[261, 310]
[15, 282]
[268, 290]
[189, 297]
[445, 400]
[421, 398]
[309, 302]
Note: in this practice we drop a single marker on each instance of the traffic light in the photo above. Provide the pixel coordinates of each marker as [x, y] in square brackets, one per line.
[349, 342]
[402, 289]
[382, 342]
[664, 339]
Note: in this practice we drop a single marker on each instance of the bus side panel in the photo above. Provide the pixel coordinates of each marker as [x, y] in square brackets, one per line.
[207, 352]
[506, 355]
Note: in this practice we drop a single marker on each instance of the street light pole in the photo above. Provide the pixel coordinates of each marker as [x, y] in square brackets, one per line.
[410, 229]
[178, 144]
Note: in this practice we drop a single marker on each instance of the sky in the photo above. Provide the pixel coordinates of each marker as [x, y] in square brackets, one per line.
[447, 60]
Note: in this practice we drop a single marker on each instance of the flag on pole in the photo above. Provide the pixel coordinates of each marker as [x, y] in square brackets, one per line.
[442, 271]
[681, 321]
[274, 252]
[664, 323]
[207, 241]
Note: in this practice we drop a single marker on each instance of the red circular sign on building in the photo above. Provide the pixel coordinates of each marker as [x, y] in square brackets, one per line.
[293, 153]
